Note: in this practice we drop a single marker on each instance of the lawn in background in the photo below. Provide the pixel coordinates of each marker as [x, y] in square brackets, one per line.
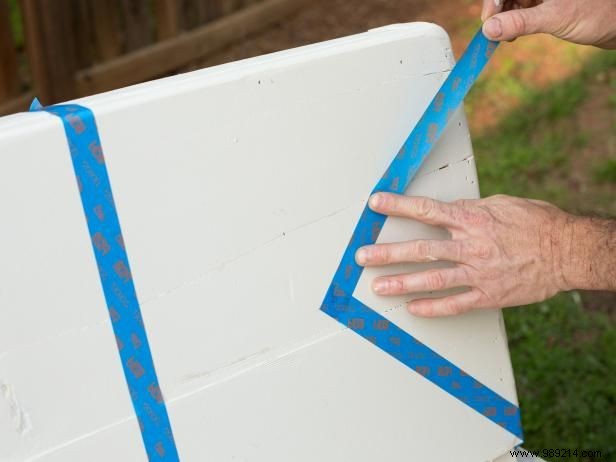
[557, 143]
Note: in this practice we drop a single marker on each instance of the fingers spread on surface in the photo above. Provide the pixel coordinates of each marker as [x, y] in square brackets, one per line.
[446, 306]
[426, 281]
[410, 251]
[423, 209]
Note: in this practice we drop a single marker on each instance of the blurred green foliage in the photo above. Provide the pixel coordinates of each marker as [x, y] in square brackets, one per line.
[564, 355]
[15, 12]
[606, 172]
[530, 152]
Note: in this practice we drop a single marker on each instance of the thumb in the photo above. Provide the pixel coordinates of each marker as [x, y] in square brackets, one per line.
[515, 23]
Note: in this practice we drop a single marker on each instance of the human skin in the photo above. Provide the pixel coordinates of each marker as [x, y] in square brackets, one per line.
[506, 251]
[586, 22]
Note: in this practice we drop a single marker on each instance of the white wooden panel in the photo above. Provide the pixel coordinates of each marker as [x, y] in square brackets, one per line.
[237, 188]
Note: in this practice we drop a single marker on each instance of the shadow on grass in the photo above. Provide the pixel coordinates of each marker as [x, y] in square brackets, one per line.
[564, 355]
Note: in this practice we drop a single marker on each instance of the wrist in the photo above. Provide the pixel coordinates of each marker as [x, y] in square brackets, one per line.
[587, 254]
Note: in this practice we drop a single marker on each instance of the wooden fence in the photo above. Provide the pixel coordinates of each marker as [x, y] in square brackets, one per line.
[75, 48]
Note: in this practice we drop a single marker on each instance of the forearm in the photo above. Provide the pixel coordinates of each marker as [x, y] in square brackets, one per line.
[506, 251]
[587, 259]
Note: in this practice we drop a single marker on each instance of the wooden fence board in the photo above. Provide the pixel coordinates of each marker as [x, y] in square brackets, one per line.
[9, 72]
[106, 27]
[167, 20]
[194, 13]
[228, 6]
[137, 24]
[166, 56]
[18, 104]
[206, 10]
[83, 37]
[50, 46]
[92, 35]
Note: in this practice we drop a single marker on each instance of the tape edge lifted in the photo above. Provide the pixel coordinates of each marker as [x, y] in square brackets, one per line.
[396, 179]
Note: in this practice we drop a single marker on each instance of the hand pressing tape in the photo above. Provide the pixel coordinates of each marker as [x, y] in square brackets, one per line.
[339, 302]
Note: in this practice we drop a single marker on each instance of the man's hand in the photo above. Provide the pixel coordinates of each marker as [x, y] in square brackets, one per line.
[507, 251]
[587, 22]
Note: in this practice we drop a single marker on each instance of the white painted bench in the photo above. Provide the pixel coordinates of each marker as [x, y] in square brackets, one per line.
[238, 188]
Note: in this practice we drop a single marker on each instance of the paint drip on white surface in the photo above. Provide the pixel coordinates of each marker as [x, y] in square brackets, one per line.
[18, 417]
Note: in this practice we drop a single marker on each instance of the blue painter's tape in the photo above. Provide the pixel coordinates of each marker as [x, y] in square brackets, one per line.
[104, 226]
[339, 302]
[35, 105]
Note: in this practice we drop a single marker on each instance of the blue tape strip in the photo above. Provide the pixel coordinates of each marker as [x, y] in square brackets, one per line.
[114, 270]
[339, 302]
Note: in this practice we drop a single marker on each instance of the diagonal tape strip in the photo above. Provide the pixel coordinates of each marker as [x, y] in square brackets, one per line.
[103, 223]
[116, 278]
[339, 302]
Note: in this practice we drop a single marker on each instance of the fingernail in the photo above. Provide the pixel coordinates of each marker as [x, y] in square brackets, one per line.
[380, 286]
[375, 200]
[361, 256]
[410, 307]
[493, 28]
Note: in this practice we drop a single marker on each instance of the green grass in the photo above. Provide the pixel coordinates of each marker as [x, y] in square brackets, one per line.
[606, 172]
[534, 145]
[564, 359]
[564, 356]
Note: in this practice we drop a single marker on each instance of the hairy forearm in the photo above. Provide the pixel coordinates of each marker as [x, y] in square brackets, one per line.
[587, 259]
[507, 251]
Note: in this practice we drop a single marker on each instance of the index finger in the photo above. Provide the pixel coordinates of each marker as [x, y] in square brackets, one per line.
[490, 8]
[424, 209]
